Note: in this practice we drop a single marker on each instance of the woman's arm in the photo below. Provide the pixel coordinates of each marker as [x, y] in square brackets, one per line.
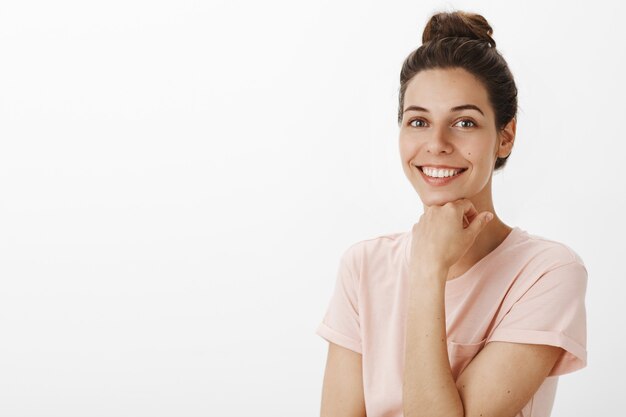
[342, 392]
[499, 381]
[428, 385]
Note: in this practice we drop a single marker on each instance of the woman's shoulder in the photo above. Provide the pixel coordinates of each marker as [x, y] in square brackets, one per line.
[384, 246]
[547, 248]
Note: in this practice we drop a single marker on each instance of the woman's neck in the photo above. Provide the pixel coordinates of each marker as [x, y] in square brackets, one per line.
[490, 238]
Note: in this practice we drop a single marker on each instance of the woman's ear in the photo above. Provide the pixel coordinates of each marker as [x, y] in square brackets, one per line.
[506, 139]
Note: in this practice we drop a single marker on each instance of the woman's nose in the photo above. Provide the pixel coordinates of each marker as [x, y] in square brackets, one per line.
[438, 142]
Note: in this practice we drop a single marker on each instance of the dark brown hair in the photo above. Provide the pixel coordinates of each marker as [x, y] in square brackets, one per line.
[463, 40]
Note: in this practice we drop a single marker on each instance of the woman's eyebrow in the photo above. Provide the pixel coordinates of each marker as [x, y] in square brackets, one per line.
[457, 108]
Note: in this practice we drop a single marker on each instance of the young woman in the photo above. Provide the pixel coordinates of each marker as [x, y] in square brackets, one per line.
[462, 315]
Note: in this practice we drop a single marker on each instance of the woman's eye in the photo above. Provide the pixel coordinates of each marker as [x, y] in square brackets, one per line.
[416, 120]
[467, 121]
[422, 123]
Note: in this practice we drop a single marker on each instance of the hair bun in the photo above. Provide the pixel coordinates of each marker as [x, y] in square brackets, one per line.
[458, 24]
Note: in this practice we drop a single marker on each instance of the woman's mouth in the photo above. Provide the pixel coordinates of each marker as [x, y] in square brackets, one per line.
[439, 177]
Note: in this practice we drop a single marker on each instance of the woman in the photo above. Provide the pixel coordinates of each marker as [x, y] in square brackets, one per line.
[462, 315]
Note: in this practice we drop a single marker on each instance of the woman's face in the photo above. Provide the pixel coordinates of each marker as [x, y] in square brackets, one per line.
[436, 131]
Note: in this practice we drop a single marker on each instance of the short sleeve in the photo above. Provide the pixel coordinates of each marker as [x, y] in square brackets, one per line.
[341, 321]
[551, 312]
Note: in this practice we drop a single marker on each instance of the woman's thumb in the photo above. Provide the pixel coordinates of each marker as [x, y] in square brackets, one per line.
[480, 222]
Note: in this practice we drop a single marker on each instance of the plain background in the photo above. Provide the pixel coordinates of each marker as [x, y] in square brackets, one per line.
[179, 178]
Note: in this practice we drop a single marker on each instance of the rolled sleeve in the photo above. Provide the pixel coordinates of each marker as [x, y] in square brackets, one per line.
[340, 324]
[551, 312]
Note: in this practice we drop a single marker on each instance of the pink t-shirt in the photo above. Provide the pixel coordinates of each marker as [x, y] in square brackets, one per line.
[528, 290]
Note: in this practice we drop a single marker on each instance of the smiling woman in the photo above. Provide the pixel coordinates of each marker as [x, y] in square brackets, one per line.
[462, 315]
[448, 135]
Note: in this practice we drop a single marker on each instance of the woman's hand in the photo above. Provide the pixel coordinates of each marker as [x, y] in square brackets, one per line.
[445, 233]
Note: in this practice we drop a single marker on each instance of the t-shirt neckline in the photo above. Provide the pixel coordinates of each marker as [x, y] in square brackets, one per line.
[461, 279]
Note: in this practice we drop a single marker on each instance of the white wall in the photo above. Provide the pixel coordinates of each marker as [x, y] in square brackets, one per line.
[179, 178]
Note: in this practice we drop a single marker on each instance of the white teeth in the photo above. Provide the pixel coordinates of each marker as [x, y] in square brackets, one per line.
[440, 173]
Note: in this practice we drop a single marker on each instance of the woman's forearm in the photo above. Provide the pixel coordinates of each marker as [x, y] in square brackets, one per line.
[429, 389]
